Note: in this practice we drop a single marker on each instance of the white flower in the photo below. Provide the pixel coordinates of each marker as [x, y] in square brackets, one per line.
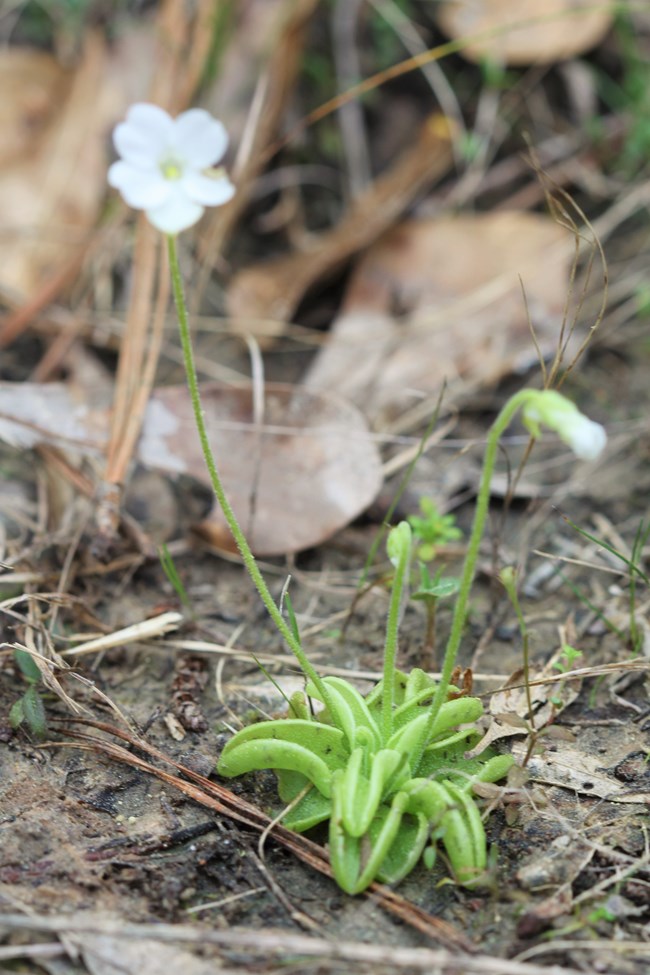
[586, 438]
[549, 408]
[164, 165]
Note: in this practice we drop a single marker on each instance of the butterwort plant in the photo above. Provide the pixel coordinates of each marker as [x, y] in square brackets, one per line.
[387, 770]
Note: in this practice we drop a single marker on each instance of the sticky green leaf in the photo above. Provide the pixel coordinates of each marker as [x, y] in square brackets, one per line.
[463, 837]
[312, 809]
[349, 710]
[362, 794]
[405, 850]
[313, 749]
[345, 850]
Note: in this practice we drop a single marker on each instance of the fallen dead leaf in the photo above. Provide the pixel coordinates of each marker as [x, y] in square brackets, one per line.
[51, 413]
[508, 708]
[583, 771]
[457, 281]
[540, 916]
[51, 199]
[106, 954]
[557, 868]
[552, 30]
[33, 85]
[53, 179]
[296, 477]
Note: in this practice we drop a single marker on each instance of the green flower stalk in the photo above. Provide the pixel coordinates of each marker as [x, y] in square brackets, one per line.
[539, 408]
[399, 552]
[235, 528]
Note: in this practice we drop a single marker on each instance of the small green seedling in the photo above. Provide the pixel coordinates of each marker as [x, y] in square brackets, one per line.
[29, 707]
[170, 570]
[564, 665]
[568, 658]
[430, 591]
[431, 530]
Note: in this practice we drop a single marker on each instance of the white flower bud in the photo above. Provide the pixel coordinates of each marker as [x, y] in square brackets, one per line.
[549, 408]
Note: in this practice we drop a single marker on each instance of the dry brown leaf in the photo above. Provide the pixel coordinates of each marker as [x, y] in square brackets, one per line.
[33, 85]
[51, 199]
[264, 296]
[106, 954]
[540, 916]
[302, 473]
[588, 772]
[50, 196]
[558, 29]
[306, 471]
[509, 708]
[50, 413]
[458, 282]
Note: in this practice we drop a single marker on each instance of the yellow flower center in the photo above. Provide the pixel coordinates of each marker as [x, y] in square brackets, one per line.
[171, 169]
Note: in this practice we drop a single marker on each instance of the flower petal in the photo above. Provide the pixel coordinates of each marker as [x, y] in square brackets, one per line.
[207, 190]
[141, 188]
[586, 438]
[201, 138]
[176, 214]
[145, 136]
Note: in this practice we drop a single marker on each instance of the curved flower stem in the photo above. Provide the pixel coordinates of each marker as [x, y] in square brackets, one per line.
[240, 539]
[469, 568]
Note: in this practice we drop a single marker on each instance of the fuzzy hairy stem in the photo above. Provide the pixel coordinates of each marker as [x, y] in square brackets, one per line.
[215, 480]
[497, 429]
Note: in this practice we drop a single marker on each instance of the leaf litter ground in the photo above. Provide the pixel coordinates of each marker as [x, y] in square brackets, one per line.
[100, 852]
[85, 834]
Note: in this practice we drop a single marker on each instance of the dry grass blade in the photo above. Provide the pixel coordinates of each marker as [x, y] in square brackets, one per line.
[221, 800]
[580, 673]
[185, 39]
[146, 630]
[139, 352]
